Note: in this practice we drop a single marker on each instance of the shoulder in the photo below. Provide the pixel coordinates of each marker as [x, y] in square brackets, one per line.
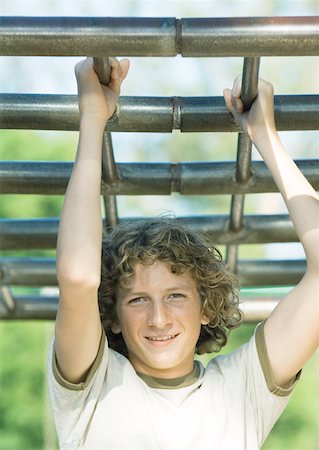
[237, 359]
[249, 365]
[106, 359]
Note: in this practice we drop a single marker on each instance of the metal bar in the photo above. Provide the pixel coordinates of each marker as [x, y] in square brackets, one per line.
[110, 206]
[232, 257]
[28, 234]
[134, 36]
[87, 36]
[109, 177]
[257, 229]
[189, 178]
[236, 212]
[41, 307]
[31, 271]
[109, 168]
[249, 87]
[7, 297]
[258, 309]
[102, 67]
[249, 90]
[271, 272]
[250, 36]
[28, 271]
[31, 307]
[45, 308]
[151, 114]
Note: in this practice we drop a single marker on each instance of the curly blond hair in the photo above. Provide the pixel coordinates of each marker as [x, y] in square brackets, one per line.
[168, 240]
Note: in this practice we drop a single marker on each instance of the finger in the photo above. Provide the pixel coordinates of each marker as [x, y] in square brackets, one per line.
[115, 80]
[227, 97]
[229, 104]
[229, 100]
[84, 67]
[78, 66]
[125, 65]
[236, 93]
[119, 72]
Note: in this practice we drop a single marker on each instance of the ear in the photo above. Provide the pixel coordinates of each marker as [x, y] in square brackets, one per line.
[115, 327]
[205, 320]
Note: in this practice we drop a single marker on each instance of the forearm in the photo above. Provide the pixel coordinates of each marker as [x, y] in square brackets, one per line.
[291, 330]
[80, 230]
[301, 199]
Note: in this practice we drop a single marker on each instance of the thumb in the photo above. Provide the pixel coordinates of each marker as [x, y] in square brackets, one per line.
[125, 65]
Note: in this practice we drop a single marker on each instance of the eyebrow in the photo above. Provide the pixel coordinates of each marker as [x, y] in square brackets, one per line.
[182, 287]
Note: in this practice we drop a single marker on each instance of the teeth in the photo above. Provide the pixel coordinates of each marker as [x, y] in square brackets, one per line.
[163, 338]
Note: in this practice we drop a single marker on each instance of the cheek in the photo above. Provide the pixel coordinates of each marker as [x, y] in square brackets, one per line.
[131, 321]
[191, 314]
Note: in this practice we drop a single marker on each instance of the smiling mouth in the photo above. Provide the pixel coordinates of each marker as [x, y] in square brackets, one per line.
[162, 338]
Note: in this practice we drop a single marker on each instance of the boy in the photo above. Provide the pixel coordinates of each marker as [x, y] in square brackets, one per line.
[164, 295]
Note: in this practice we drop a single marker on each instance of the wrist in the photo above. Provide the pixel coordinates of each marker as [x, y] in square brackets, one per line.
[262, 134]
[95, 122]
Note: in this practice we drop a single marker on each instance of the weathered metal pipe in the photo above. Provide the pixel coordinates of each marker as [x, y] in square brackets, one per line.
[109, 177]
[102, 67]
[249, 87]
[189, 178]
[134, 36]
[87, 36]
[44, 308]
[42, 233]
[30, 307]
[150, 114]
[250, 36]
[33, 271]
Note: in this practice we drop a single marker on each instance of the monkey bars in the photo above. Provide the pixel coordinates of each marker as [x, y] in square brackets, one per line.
[249, 38]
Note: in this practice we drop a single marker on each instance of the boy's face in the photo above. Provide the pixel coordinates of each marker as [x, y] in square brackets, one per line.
[160, 318]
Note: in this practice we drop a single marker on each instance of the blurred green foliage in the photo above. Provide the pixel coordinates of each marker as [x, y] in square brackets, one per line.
[22, 349]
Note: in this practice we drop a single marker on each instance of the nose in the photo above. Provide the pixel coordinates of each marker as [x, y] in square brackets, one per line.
[159, 315]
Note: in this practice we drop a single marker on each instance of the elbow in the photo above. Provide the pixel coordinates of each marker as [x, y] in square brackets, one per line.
[77, 279]
[310, 244]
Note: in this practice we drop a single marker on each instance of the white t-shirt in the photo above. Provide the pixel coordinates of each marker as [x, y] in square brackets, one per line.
[232, 405]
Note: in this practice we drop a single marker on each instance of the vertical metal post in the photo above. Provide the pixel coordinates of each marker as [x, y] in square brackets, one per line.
[109, 176]
[7, 298]
[102, 67]
[249, 91]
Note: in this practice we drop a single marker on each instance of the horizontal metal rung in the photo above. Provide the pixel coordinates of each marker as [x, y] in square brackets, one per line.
[42, 233]
[167, 36]
[30, 307]
[42, 272]
[151, 114]
[190, 178]
[258, 308]
[41, 307]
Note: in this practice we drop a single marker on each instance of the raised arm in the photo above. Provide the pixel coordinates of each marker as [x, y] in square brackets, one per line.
[292, 330]
[78, 326]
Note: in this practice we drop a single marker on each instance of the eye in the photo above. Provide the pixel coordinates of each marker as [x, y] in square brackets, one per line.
[137, 301]
[177, 296]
